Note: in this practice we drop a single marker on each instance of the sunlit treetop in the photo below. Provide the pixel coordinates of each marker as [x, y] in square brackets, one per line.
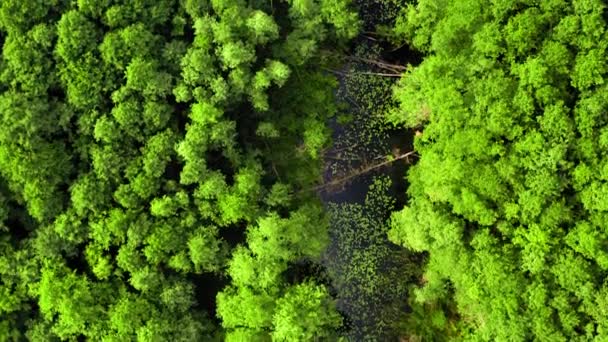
[141, 143]
[508, 195]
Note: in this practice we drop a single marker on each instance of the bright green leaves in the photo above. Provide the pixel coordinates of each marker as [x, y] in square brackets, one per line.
[204, 113]
[167, 206]
[139, 141]
[82, 201]
[135, 318]
[557, 124]
[150, 12]
[488, 40]
[27, 120]
[157, 153]
[336, 12]
[234, 54]
[282, 238]
[278, 72]
[18, 16]
[205, 250]
[29, 59]
[509, 191]
[74, 300]
[178, 297]
[279, 195]
[144, 77]
[263, 27]
[234, 203]
[316, 135]
[223, 6]
[69, 227]
[77, 42]
[29, 172]
[239, 202]
[417, 239]
[346, 23]
[589, 69]
[588, 241]
[305, 313]
[200, 138]
[244, 308]
[536, 244]
[264, 271]
[275, 72]
[524, 31]
[101, 264]
[83, 82]
[119, 47]
[77, 36]
[273, 243]
[197, 67]
[128, 314]
[17, 269]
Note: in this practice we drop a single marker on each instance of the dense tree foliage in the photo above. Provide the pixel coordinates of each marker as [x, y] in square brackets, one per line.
[509, 195]
[140, 141]
[161, 161]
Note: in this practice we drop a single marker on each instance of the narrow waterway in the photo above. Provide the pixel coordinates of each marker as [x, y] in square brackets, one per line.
[369, 274]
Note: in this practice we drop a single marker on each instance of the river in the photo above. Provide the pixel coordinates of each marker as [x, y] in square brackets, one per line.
[369, 274]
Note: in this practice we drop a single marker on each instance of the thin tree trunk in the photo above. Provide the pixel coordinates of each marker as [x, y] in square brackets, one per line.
[351, 74]
[359, 172]
[379, 63]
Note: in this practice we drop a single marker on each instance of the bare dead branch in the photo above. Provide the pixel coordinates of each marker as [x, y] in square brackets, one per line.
[379, 63]
[359, 172]
[352, 74]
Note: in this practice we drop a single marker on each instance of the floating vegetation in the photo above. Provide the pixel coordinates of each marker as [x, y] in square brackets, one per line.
[370, 274]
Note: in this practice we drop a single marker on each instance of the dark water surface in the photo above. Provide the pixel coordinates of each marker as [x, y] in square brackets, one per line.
[369, 274]
[367, 271]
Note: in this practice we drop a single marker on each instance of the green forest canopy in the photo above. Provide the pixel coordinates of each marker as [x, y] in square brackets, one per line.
[149, 149]
[155, 157]
[509, 197]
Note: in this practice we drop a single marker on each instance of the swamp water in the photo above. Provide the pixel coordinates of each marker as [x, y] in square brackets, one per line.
[368, 273]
